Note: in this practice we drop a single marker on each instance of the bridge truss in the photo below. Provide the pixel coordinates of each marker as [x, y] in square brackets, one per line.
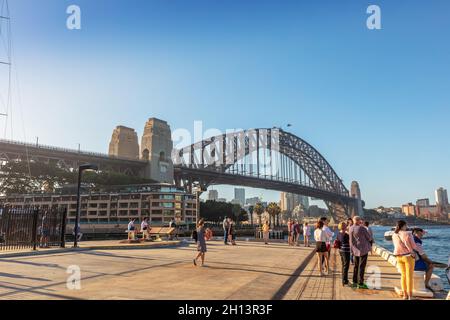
[263, 158]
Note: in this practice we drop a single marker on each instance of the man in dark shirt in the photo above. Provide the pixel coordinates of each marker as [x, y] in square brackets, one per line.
[360, 245]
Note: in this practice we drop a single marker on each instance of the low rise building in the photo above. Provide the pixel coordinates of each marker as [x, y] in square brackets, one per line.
[409, 210]
[160, 203]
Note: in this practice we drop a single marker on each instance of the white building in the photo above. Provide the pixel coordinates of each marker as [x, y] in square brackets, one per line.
[290, 201]
[441, 197]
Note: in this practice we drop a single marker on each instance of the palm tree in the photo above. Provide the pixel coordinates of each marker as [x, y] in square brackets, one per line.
[259, 210]
[274, 210]
[250, 211]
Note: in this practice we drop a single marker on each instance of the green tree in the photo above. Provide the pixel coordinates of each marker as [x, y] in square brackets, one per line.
[215, 211]
[259, 210]
[19, 177]
[250, 212]
[274, 210]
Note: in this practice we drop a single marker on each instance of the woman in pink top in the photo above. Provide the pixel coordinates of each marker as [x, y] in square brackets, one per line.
[404, 247]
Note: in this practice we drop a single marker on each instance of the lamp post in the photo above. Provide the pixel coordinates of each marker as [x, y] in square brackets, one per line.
[198, 189]
[77, 220]
[197, 203]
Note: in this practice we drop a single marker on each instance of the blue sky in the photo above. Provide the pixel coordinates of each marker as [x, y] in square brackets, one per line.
[375, 103]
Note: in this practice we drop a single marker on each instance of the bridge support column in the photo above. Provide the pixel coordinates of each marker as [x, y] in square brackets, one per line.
[339, 211]
[355, 192]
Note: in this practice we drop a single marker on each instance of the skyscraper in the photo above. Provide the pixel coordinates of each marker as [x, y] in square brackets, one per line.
[441, 197]
[213, 195]
[289, 201]
[239, 195]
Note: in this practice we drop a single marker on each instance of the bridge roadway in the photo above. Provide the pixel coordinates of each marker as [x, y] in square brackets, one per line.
[69, 157]
[250, 270]
[216, 178]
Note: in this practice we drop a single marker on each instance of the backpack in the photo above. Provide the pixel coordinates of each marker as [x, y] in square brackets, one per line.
[195, 235]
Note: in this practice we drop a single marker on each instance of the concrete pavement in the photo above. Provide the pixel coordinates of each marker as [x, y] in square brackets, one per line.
[246, 271]
[250, 270]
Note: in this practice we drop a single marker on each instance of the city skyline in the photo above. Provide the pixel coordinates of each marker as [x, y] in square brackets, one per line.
[386, 90]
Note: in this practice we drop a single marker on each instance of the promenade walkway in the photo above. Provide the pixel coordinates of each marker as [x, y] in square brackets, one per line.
[310, 286]
[250, 270]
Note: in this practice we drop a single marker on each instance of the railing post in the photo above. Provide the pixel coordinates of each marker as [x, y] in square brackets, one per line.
[34, 232]
[63, 228]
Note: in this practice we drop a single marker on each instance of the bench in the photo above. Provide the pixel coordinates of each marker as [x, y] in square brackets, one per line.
[157, 232]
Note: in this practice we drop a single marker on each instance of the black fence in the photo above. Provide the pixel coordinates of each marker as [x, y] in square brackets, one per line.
[23, 228]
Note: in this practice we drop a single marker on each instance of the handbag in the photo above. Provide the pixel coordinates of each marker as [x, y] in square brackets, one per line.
[336, 244]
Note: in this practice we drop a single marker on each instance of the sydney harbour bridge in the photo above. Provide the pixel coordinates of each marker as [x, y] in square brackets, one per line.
[267, 158]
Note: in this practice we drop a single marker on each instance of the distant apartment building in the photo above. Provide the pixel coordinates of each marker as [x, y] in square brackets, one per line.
[239, 196]
[252, 201]
[423, 203]
[213, 195]
[429, 212]
[221, 200]
[289, 201]
[441, 197]
[160, 203]
[409, 210]
[315, 211]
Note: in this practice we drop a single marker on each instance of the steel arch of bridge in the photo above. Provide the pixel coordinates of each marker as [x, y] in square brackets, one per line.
[215, 161]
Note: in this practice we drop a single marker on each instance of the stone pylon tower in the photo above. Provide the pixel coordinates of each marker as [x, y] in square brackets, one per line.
[355, 192]
[156, 147]
[124, 143]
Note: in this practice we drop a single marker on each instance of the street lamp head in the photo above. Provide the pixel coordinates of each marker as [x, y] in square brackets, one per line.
[88, 167]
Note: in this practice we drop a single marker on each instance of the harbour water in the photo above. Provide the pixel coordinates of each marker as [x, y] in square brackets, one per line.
[436, 244]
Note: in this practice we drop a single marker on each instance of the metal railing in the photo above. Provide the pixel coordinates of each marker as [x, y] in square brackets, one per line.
[29, 228]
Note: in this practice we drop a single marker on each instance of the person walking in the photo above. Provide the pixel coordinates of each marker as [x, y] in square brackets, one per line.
[343, 241]
[232, 232]
[226, 226]
[404, 251]
[78, 234]
[423, 263]
[289, 226]
[295, 232]
[201, 242]
[321, 247]
[329, 236]
[306, 234]
[265, 230]
[360, 246]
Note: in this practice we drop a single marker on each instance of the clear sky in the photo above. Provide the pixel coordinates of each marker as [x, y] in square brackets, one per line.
[375, 103]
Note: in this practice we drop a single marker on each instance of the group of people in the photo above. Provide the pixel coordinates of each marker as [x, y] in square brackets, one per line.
[295, 230]
[146, 228]
[355, 240]
[201, 234]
